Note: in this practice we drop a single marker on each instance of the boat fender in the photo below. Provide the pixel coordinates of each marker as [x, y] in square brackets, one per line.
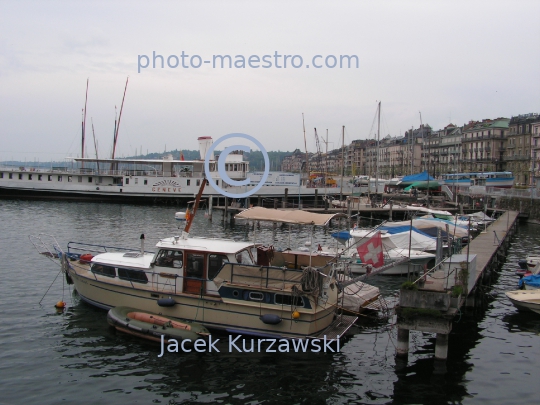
[166, 302]
[270, 319]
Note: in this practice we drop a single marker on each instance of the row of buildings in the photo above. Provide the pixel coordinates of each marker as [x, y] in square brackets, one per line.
[500, 144]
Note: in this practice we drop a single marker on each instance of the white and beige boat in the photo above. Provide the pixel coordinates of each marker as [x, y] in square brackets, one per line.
[528, 300]
[222, 284]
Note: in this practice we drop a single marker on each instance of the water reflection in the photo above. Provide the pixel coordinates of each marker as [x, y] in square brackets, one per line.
[98, 351]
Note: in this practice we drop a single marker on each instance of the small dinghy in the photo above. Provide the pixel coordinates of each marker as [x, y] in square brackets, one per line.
[151, 326]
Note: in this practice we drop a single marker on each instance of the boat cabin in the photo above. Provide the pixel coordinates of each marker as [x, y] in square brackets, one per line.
[179, 266]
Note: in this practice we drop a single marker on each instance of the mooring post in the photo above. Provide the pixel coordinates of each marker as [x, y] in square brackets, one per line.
[441, 346]
[210, 204]
[226, 210]
[275, 203]
[402, 348]
[390, 211]
[259, 201]
[316, 202]
[284, 203]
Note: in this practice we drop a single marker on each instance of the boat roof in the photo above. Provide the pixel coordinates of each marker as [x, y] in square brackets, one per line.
[139, 161]
[203, 244]
[287, 216]
[123, 259]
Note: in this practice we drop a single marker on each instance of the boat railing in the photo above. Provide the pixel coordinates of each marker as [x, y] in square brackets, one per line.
[76, 247]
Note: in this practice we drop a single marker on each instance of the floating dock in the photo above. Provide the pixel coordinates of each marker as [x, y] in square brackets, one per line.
[435, 298]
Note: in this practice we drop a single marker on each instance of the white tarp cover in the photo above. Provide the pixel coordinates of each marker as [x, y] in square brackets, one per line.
[427, 210]
[417, 241]
[258, 277]
[289, 216]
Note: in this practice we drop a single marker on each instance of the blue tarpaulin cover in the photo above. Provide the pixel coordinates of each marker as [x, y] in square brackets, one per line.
[424, 176]
[344, 235]
[533, 281]
[398, 229]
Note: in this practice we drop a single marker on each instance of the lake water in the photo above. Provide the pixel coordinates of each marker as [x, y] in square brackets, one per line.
[74, 357]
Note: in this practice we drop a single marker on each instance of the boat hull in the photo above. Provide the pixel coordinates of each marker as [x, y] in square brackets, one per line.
[210, 311]
[525, 300]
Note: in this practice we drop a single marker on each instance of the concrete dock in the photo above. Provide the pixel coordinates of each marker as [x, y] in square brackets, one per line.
[431, 302]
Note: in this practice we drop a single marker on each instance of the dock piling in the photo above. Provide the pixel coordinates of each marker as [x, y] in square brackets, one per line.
[441, 346]
[402, 349]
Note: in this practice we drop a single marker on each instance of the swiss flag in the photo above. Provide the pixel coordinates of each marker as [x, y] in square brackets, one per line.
[371, 251]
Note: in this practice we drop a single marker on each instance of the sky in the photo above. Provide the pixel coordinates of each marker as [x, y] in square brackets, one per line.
[435, 62]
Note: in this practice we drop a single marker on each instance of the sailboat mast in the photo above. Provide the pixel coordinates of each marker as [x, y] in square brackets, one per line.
[119, 118]
[305, 147]
[326, 164]
[378, 142]
[95, 144]
[342, 161]
[84, 123]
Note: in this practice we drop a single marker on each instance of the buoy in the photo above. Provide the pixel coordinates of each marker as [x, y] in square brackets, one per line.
[60, 304]
[296, 315]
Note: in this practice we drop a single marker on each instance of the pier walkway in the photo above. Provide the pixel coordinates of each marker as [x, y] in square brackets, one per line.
[431, 304]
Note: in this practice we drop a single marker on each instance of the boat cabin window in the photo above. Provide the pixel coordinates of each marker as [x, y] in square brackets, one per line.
[215, 262]
[20, 176]
[137, 276]
[49, 177]
[244, 256]
[11, 175]
[188, 182]
[145, 182]
[103, 270]
[127, 180]
[195, 265]
[281, 299]
[255, 296]
[170, 258]
[89, 179]
[59, 178]
[29, 177]
[40, 177]
[70, 179]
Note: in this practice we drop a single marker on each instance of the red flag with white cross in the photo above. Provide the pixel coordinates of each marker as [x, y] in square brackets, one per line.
[371, 251]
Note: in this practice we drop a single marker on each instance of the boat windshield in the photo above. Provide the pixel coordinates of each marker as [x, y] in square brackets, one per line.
[245, 257]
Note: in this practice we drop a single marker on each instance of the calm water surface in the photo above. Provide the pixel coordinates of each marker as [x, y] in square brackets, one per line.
[74, 357]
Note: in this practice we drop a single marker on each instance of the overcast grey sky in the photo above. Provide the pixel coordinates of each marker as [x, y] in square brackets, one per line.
[453, 61]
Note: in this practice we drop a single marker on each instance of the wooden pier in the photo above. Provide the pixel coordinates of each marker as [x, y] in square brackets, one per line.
[433, 300]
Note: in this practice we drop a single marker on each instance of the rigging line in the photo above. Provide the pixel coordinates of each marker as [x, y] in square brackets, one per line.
[39, 303]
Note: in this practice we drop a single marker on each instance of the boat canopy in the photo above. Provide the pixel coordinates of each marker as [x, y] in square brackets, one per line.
[423, 185]
[290, 217]
[424, 176]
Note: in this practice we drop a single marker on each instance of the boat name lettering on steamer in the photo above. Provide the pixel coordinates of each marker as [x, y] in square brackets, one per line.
[166, 189]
